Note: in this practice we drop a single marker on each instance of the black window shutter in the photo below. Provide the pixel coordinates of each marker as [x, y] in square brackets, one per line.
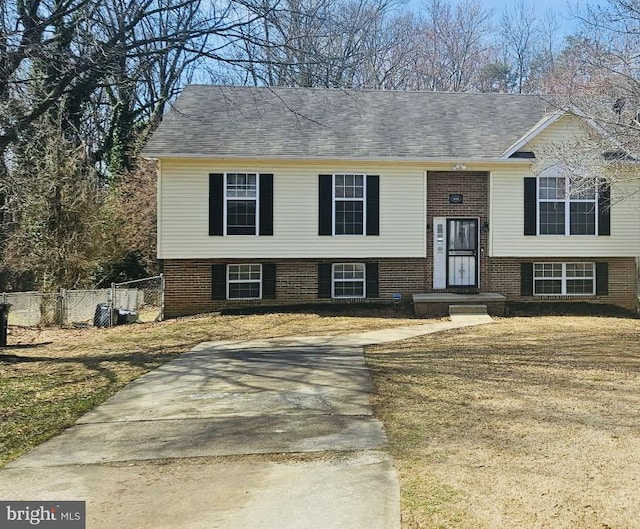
[219, 281]
[372, 278]
[266, 204]
[526, 279]
[373, 205]
[604, 209]
[324, 280]
[216, 203]
[269, 281]
[530, 206]
[325, 205]
[602, 279]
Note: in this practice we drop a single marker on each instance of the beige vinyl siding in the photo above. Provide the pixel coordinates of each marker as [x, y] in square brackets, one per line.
[567, 128]
[184, 213]
[507, 224]
[507, 213]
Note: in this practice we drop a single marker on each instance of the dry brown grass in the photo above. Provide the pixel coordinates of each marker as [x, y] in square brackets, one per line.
[49, 377]
[529, 422]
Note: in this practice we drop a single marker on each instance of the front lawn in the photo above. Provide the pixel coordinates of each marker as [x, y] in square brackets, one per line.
[524, 423]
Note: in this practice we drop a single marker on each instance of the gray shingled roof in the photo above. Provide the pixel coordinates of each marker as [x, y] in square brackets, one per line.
[227, 121]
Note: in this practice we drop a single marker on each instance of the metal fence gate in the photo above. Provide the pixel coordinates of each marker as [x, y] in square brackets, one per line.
[143, 299]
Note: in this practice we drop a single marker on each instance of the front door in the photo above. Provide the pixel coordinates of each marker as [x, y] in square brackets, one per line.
[462, 253]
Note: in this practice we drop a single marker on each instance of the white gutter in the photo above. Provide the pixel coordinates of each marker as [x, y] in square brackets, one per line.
[440, 160]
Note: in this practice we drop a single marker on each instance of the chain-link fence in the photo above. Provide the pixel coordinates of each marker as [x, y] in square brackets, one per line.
[29, 309]
[140, 300]
[78, 307]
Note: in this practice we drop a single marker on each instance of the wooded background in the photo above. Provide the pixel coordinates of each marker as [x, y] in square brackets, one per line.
[84, 82]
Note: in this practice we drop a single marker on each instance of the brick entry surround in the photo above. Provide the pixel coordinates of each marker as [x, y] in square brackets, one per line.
[474, 188]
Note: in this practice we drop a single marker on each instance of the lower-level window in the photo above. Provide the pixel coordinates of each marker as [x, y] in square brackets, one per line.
[348, 280]
[244, 281]
[564, 279]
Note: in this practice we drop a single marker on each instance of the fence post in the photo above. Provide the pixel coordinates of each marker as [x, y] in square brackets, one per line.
[112, 304]
[637, 286]
[161, 297]
[61, 307]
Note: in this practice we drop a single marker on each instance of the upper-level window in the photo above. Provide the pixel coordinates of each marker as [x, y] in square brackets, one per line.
[349, 204]
[566, 206]
[241, 203]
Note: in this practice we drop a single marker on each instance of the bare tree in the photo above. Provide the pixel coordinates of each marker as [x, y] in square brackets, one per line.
[57, 54]
[544, 64]
[388, 53]
[520, 37]
[327, 43]
[577, 69]
[458, 33]
[97, 75]
[602, 85]
[446, 46]
[129, 249]
[55, 207]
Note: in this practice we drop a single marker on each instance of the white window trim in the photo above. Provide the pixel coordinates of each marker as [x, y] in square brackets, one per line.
[335, 199]
[567, 207]
[226, 199]
[334, 281]
[229, 281]
[564, 279]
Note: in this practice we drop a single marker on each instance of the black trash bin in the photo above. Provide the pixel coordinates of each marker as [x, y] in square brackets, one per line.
[102, 317]
[124, 316]
[4, 323]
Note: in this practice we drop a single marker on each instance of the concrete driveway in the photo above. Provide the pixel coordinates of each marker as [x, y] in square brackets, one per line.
[262, 434]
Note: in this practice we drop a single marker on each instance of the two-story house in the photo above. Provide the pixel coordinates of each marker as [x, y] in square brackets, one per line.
[290, 195]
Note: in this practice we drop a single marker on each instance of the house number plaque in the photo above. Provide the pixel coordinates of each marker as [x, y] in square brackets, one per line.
[455, 198]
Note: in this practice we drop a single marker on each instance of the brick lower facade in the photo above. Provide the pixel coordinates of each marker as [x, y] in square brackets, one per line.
[504, 278]
[188, 282]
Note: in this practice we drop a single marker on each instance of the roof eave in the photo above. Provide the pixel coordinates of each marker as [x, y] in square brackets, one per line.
[388, 159]
[533, 132]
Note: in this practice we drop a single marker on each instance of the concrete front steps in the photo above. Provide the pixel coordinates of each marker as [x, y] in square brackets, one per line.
[437, 304]
[469, 314]
[467, 309]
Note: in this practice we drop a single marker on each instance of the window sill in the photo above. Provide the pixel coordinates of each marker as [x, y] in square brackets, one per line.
[560, 297]
[232, 300]
[348, 299]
